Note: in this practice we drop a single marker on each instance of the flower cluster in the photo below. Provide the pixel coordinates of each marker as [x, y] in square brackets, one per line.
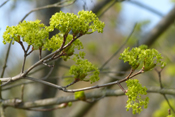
[56, 41]
[135, 101]
[32, 32]
[82, 68]
[70, 26]
[37, 34]
[147, 58]
[78, 24]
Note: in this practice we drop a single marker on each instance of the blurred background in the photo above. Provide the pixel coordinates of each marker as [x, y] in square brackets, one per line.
[119, 19]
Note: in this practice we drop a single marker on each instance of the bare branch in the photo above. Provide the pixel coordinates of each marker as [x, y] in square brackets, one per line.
[146, 7]
[5, 83]
[91, 95]
[168, 103]
[113, 3]
[161, 86]
[159, 29]
[85, 88]
[15, 85]
[4, 3]
[159, 75]
[58, 4]
[22, 92]
[61, 106]
[75, 81]
[6, 58]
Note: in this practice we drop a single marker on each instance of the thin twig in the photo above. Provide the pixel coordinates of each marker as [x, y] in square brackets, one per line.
[61, 48]
[49, 57]
[6, 58]
[159, 75]
[51, 70]
[58, 4]
[29, 52]
[107, 8]
[119, 48]
[169, 111]
[75, 81]
[120, 72]
[42, 110]
[4, 3]
[168, 103]
[85, 88]
[28, 47]
[121, 87]
[62, 45]
[22, 92]
[44, 82]
[143, 6]
[25, 55]
[15, 85]
[48, 65]
[29, 82]
[5, 83]
[24, 61]
[132, 70]
[6, 88]
[20, 42]
[161, 86]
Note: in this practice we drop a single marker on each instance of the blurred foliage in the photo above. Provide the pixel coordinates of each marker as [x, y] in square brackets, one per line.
[163, 109]
[118, 7]
[92, 47]
[113, 48]
[172, 0]
[170, 70]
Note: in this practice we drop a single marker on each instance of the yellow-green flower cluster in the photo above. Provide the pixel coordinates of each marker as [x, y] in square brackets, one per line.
[32, 32]
[80, 95]
[37, 34]
[78, 24]
[135, 101]
[82, 68]
[149, 58]
[56, 41]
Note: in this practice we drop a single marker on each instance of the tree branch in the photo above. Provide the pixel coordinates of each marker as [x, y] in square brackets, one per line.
[4, 3]
[146, 7]
[91, 95]
[85, 88]
[6, 58]
[58, 4]
[159, 29]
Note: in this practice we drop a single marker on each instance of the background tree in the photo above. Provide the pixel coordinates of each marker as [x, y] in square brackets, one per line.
[95, 52]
